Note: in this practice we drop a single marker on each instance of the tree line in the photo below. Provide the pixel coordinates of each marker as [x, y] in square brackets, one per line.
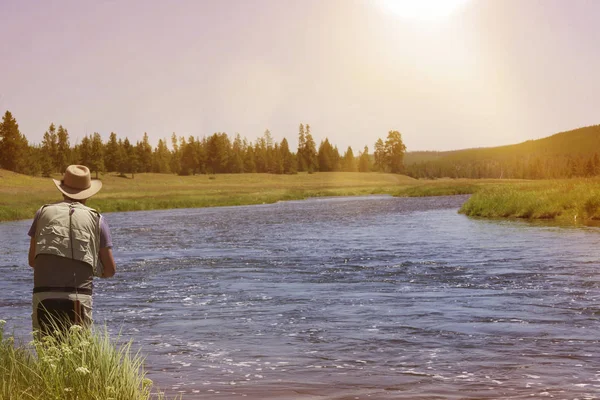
[214, 154]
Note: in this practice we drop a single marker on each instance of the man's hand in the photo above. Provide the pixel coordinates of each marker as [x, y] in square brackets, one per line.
[106, 257]
[31, 257]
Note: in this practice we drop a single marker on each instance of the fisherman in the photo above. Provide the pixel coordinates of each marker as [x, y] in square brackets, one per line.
[70, 244]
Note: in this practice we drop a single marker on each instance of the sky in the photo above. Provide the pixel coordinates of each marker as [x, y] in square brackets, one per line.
[492, 72]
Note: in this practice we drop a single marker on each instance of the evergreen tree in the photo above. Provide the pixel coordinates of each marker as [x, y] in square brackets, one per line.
[287, 158]
[175, 155]
[63, 150]
[310, 152]
[49, 151]
[249, 159]
[379, 156]
[189, 157]
[260, 155]
[217, 154]
[13, 145]
[145, 155]
[112, 154]
[237, 155]
[161, 158]
[364, 162]
[349, 164]
[326, 156]
[301, 149]
[96, 154]
[85, 151]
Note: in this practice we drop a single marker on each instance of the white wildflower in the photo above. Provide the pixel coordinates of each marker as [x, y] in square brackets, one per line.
[2, 322]
[68, 389]
[66, 350]
[75, 328]
[82, 370]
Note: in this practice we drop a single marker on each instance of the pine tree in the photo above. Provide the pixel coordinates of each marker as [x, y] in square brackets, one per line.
[379, 156]
[249, 159]
[111, 153]
[13, 145]
[349, 164]
[63, 150]
[237, 155]
[287, 158]
[96, 154]
[146, 155]
[48, 153]
[301, 149]
[364, 162]
[85, 151]
[189, 157]
[161, 158]
[310, 152]
[325, 156]
[175, 155]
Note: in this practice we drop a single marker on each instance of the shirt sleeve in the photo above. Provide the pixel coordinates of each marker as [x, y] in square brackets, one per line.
[31, 232]
[105, 237]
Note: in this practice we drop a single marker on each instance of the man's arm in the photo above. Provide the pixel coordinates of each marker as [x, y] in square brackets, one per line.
[106, 257]
[32, 252]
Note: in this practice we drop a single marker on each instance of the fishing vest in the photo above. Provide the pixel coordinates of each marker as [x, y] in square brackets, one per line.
[69, 230]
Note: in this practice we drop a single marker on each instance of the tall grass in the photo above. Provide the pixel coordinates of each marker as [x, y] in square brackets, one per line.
[565, 200]
[74, 364]
[20, 195]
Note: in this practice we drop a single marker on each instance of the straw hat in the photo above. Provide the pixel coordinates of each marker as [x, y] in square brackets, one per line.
[77, 183]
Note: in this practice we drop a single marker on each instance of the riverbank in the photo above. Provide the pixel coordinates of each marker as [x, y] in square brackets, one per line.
[565, 200]
[21, 196]
[569, 200]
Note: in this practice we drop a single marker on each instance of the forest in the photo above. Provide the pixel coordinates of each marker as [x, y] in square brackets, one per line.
[567, 154]
[214, 154]
[563, 155]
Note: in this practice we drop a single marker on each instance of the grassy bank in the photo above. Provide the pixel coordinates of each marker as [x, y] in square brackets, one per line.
[570, 200]
[21, 195]
[77, 364]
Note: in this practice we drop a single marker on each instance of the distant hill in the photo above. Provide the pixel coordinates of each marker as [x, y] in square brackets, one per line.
[565, 154]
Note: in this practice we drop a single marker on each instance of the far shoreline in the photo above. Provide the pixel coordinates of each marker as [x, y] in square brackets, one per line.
[570, 201]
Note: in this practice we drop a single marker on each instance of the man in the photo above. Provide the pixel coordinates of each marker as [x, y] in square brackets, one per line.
[70, 244]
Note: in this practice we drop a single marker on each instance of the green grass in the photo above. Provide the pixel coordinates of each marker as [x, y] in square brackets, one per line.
[576, 199]
[569, 200]
[21, 196]
[76, 364]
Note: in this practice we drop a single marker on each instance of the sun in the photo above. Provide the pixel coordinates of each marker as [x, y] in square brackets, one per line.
[422, 10]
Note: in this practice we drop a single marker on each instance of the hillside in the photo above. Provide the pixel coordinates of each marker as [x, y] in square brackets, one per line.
[565, 154]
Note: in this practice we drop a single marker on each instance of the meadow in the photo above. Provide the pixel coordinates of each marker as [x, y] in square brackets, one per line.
[21, 195]
[566, 200]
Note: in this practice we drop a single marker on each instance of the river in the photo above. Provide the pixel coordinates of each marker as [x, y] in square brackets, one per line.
[345, 298]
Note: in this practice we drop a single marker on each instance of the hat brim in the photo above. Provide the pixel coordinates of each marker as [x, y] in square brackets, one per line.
[77, 194]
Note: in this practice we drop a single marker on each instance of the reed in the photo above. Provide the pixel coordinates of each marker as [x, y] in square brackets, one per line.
[74, 364]
[569, 200]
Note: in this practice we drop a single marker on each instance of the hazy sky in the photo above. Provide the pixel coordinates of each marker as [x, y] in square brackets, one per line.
[494, 72]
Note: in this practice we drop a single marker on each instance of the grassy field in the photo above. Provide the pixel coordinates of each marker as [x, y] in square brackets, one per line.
[21, 195]
[574, 199]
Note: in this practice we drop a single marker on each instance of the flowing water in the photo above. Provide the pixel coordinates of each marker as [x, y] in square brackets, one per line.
[345, 298]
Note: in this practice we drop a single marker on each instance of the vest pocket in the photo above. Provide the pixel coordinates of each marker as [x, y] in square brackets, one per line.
[54, 239]
[81, 246]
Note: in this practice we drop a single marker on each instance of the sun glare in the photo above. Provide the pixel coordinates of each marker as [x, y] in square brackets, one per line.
[423, 10]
